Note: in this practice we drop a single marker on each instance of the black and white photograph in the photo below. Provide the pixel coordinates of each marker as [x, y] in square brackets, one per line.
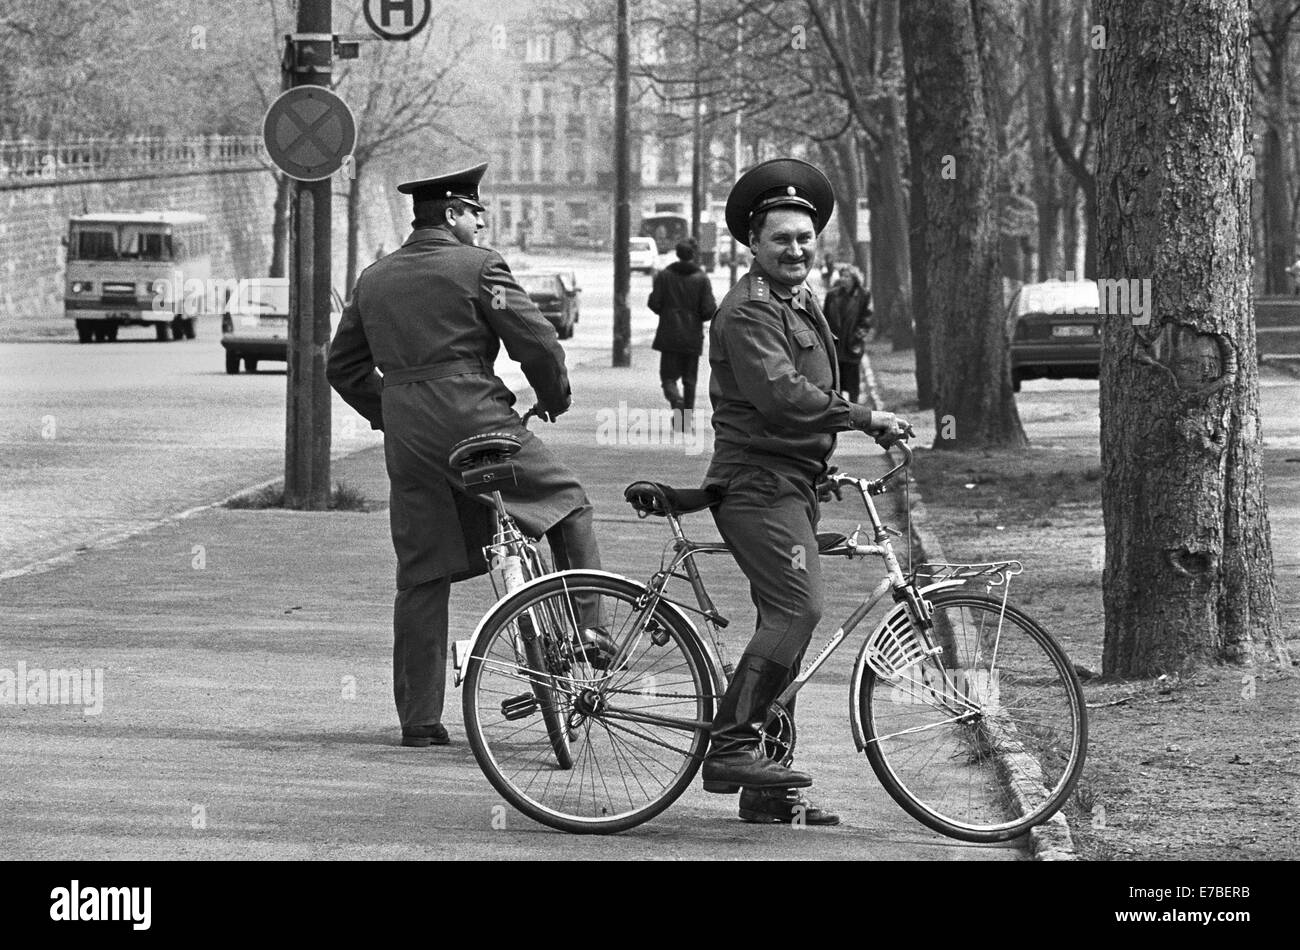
[650, 431]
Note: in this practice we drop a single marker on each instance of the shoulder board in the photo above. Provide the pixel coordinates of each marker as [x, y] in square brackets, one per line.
[758, 289]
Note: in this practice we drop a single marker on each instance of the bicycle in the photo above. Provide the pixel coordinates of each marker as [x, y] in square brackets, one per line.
[514, 560]
[969, 713]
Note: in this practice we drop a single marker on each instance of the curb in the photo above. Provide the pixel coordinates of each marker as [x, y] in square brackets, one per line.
[1050, 841]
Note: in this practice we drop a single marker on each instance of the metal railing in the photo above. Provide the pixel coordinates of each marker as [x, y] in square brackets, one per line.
[30, 162]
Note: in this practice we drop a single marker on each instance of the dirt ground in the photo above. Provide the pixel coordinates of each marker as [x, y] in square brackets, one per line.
[1202, 767]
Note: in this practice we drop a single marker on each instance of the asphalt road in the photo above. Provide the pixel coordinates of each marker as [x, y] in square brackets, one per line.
[99, 441]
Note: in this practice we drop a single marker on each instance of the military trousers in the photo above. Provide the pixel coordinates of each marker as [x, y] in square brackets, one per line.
[420, 623]
[769, 521]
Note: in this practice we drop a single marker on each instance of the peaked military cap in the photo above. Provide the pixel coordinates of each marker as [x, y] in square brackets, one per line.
[462, 184]
[779, 183]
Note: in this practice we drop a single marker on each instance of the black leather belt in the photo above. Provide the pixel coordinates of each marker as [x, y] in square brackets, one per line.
[419, 374]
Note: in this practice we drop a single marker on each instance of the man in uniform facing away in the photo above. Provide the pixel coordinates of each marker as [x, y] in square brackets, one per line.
[776, 407]
[431, 317]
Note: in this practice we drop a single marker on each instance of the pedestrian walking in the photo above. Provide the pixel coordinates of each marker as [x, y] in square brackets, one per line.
[776, 407]
[848, 311]
[682, 296]
[431, 317]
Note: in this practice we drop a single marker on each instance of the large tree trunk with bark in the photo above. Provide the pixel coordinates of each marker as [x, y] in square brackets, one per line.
[1189, 565]
[973, 403]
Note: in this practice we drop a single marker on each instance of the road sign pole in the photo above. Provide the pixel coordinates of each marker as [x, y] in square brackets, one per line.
[307, 417]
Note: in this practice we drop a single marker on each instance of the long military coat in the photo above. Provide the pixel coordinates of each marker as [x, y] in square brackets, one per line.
[431, 317]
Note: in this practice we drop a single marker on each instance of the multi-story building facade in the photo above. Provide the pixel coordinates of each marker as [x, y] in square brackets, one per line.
[551, 181]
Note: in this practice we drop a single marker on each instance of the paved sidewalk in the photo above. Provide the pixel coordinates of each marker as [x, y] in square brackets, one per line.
[247, 708]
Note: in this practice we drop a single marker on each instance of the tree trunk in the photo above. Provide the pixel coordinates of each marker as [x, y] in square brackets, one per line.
[972, 380]
[895, 308]
[1046, 164]
[280, 226]
[354, 219]
[917, 216]
[1279, 239]
[1189, 566]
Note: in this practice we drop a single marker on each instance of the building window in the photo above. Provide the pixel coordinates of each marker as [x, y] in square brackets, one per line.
[576, 163]
[668, 162]
[546, 100]
[576, 92]
[540, 48]
[547, 160]
[548, 215]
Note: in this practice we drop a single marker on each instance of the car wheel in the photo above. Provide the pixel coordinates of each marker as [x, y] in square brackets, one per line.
[1015, 380]
[250, 364]
[110, 332]
[163, 332]
[232, 362]
[101, 331]
[85, 331]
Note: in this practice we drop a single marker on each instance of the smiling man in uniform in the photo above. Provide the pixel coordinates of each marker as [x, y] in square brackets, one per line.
[776, 407]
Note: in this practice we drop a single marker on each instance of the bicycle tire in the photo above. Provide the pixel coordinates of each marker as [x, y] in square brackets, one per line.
[983, 776]
[544, 689]
[623, 774]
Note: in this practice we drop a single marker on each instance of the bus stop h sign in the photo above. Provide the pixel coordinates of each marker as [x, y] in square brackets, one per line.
[309, 131]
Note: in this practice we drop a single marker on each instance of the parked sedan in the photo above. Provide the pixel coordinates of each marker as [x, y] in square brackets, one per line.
[255, 324]
[643, 254]
[1055, 331]
[556, 295]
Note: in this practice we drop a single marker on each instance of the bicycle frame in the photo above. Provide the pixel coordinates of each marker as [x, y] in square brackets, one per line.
[685, 550]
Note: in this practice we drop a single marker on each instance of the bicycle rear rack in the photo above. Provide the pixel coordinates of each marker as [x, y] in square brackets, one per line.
[997, 572]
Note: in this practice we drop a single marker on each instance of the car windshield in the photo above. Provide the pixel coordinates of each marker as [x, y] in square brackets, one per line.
[108, 242]
[540, 284]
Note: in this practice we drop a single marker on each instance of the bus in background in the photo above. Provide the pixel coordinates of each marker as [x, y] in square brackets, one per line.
[670, 228]
[139, 268]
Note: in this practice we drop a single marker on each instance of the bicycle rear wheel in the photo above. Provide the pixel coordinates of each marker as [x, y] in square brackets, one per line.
[636, 731]
[985, 740]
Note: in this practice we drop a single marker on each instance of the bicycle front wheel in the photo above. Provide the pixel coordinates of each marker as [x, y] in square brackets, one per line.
[636, 731]
[986, 739]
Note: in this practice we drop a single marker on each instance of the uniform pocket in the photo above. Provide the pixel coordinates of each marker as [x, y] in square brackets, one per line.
[806, 339]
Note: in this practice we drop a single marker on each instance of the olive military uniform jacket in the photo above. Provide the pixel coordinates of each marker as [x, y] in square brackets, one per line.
[682, 296]
[431, 317]
[775, 380]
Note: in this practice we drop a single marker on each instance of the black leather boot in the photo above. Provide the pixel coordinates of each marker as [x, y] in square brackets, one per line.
[735, 756]
[784, 805]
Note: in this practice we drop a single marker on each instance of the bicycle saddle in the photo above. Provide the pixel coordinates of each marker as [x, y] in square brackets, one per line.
[483, 448]
[652, 498]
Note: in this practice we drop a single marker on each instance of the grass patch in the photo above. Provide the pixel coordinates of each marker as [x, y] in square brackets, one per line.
[343, 497]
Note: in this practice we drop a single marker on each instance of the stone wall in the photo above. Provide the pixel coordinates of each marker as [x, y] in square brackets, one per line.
[238, 204]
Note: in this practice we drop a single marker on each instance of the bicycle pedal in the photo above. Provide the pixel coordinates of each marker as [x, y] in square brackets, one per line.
[519, 707]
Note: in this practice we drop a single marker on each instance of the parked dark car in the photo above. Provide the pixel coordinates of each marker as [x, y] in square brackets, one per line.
[556, 295]
[255, 324]
[1055, 331]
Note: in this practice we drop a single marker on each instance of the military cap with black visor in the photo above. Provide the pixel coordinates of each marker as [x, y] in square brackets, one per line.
[462, 185]
[779, 183]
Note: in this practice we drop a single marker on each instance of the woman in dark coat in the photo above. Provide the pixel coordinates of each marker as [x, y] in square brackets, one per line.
[848, 311]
